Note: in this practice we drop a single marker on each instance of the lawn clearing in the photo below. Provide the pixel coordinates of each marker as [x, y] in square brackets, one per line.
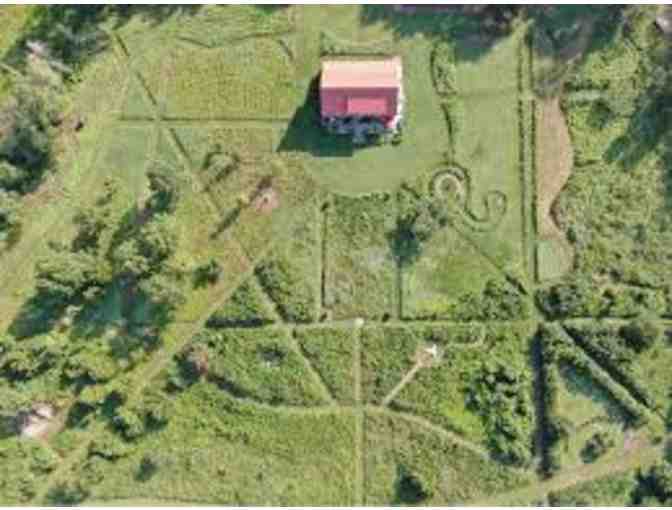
[485, 139]
[449, 270]
[253, 79]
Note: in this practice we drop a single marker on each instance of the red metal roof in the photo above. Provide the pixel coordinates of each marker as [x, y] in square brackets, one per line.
[360, 88]
[367, 106]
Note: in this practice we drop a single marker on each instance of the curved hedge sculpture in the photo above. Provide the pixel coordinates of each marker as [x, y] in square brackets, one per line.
[454, 184]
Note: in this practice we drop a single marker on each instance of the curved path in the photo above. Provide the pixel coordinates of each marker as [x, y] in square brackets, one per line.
[640, 457]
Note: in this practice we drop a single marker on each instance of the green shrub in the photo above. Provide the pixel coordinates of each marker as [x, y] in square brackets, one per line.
[261, 365]
[641, 334]
[443, 69]
[577, 298]
[412, 489]
[23, 467]
[597, 445]
[500, 393]
[615, 356]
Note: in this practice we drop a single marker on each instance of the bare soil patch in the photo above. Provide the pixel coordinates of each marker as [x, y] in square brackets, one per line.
[554, 162]
[554, 166]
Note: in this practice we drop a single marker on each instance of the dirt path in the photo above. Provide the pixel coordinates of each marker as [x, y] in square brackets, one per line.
[400, 386]
[314, 374]
[422, 422]
[642, 457]
[359, 421]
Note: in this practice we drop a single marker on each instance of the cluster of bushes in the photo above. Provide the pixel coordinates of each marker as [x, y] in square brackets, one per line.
[654, 486]
[650, 487]
[443, 69]
[23, 464]
[500, 394]
[110, 251]
[261, 365]
[499, 300]
[331, 353]
[597, 445]
[132, 252]
[581, 297]
[28, 358]
[554, 427]
[151, 413]
[612, 490]
[29, 119]
[420, 217]
[445, 83]
[616, 351]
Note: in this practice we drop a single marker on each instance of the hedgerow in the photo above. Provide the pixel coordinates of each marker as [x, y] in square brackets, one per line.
[559, 347]
[500, 394]
[616, 355]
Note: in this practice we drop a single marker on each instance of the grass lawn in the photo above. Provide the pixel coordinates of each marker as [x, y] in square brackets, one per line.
[486, 139]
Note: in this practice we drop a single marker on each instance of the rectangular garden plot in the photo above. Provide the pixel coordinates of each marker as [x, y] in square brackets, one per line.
[252, 79]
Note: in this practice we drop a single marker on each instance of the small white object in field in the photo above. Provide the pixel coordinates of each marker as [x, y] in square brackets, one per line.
[433, 350]
[35, 423]
[359, 322]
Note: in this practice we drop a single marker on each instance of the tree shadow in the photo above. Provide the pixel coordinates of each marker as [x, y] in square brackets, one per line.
[480, 27]
[647, 128]
[73, 32]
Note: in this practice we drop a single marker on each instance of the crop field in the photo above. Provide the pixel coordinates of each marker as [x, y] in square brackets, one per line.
[225, 304]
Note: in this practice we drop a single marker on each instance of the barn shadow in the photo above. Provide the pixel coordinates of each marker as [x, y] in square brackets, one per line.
[305, 133]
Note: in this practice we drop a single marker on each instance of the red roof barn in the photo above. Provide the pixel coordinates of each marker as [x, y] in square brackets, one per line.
[369, 88]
